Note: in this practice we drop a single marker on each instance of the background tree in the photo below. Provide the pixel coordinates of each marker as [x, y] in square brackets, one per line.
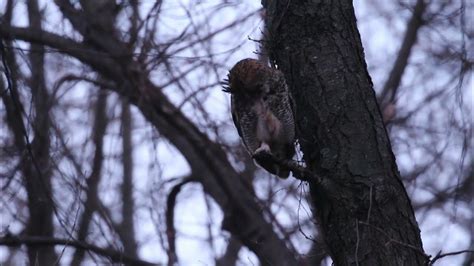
[118, 142]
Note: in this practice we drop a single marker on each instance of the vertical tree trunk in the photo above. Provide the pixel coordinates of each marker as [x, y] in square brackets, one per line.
[92, 197]
[127, 226]
[37, 168]
[362, 207]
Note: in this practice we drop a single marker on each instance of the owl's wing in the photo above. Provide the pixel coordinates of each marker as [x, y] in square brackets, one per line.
[235, 118]
[245, 122]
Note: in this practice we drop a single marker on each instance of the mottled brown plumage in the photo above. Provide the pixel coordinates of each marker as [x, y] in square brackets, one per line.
[262, 112]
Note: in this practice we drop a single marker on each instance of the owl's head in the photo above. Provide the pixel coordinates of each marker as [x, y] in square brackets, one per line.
[248, 78]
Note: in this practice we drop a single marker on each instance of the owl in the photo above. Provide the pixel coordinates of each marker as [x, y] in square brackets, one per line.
[262, 112]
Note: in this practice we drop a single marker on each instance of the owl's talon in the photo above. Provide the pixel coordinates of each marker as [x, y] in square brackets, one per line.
[263, 148]
[263, 152]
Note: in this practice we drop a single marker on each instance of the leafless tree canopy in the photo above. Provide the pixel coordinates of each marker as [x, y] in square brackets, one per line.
[117, 145]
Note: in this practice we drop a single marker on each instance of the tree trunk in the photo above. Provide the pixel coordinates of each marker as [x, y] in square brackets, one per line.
[127, 226]
[362, 208]
[37, 168]
[92, 197]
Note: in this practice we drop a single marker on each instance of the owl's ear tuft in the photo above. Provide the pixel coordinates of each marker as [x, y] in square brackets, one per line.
[227, 90]
[226, 86]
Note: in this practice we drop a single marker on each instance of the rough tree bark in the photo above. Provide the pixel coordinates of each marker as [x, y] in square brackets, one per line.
[362, 207]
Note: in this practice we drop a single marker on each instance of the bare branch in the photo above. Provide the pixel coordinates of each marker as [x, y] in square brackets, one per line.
[100, 60]
[442, 255]
[396, 74]
[170, 230]
[113, 255]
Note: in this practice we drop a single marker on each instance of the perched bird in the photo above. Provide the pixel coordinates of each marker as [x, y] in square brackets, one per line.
[262, 112]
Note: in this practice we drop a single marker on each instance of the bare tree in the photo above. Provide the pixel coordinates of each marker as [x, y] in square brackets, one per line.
[34, 159]
[118, 146]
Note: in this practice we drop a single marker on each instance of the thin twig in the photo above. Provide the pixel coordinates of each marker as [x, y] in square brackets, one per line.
[370, 204]
[113, 255]
[299, 225]
[439, 255]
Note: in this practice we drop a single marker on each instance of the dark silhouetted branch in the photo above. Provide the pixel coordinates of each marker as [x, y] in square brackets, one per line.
[231, 253]
[393, 82]
[91, 202]
[442, 255]
[113, 255]
[170, 230]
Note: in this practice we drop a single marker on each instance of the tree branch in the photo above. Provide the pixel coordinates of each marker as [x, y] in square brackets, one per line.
[442, 255]
[231, 254]
[170, 230]
[100, 60]
[113, 255]
[409, 40]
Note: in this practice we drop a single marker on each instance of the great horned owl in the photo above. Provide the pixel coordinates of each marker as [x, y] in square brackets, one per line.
[262, 112]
